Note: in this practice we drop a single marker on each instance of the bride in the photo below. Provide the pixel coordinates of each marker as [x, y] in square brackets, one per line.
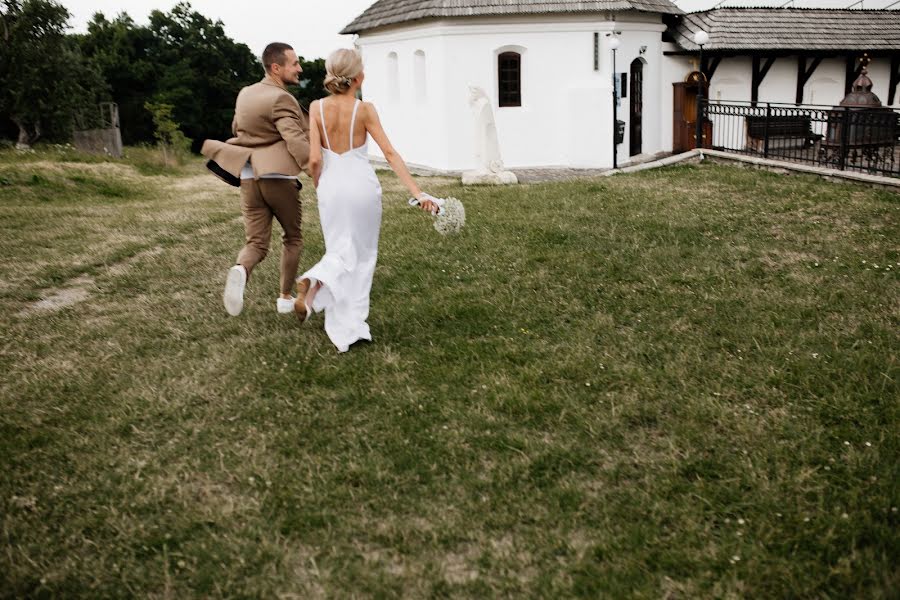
[349, 197]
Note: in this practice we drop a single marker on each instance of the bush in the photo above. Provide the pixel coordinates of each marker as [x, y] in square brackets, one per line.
[170, 139]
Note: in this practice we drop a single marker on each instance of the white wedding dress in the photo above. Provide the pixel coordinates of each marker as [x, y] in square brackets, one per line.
[349, 195]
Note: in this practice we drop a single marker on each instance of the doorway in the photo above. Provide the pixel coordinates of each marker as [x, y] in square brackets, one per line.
[637, 107]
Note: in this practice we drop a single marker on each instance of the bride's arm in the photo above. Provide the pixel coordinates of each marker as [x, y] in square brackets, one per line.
[374, 128]
[315, 143]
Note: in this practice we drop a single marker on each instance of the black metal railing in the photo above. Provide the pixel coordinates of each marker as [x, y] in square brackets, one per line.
[863, 140]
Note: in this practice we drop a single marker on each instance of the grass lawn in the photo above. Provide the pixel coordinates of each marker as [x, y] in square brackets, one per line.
[679, 383]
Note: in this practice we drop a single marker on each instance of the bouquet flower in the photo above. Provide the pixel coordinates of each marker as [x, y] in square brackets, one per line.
[451, 214]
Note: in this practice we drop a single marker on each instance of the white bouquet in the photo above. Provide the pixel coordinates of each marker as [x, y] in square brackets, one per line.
[450, 216]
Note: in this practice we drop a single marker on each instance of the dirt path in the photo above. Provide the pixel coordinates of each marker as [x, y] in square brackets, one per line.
[81, 288]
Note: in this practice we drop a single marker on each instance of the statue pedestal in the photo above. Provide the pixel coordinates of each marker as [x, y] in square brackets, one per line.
[489, 178]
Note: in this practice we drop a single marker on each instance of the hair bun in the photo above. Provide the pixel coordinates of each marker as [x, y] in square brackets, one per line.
[341, 68]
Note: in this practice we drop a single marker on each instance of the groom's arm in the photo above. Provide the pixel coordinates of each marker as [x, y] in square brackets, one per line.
[293, 127]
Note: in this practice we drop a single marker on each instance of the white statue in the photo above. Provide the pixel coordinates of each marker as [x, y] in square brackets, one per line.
[490, 167]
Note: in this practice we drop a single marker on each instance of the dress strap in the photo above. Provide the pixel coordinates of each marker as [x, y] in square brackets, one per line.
[324, 129]
[353, 121]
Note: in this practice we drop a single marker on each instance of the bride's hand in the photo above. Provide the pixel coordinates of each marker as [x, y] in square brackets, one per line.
[426, 203]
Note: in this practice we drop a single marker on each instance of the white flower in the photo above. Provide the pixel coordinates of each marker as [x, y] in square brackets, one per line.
[451, 216]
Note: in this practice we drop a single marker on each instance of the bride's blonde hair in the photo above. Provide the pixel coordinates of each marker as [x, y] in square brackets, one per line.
[341, 67]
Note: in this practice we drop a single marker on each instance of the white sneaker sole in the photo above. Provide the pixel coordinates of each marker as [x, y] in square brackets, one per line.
[286, 307]
[233, 297]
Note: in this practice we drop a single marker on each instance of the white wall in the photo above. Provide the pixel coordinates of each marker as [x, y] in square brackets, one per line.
[566, 113]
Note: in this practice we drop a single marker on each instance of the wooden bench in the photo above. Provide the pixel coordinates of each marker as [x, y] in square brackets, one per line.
[783, 131]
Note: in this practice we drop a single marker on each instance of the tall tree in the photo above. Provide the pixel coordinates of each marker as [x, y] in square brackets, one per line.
[182, 59]
[45, 82]
[204, 70]
[123, 51]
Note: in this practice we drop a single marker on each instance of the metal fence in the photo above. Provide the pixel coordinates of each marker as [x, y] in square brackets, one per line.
[834, 137]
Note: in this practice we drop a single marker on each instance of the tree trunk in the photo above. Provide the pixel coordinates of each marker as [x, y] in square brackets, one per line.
[24, 141]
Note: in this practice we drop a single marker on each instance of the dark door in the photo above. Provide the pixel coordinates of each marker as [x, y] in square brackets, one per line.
[637, 106]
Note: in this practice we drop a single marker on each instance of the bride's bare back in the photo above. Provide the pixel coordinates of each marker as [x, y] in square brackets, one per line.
[338, 110]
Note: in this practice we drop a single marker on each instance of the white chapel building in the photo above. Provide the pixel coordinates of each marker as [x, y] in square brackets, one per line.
[547, 68]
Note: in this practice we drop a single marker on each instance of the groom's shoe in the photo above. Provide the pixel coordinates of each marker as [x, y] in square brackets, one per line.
[301, 308]
[284, 305]
[234, 290]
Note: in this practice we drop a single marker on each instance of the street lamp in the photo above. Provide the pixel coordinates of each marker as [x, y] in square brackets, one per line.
[614, 45]
[701, 38]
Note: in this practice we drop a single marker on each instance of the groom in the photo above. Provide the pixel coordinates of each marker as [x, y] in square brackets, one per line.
[270, 148]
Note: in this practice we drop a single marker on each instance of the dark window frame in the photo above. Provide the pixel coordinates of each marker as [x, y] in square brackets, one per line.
[509, 79]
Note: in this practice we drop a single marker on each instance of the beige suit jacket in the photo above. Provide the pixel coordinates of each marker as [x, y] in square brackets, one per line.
[270, 130]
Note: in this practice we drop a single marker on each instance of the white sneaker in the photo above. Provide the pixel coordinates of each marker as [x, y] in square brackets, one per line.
[234, 290]
[284, 305]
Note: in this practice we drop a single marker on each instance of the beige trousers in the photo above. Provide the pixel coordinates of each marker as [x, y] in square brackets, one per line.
[261, 199]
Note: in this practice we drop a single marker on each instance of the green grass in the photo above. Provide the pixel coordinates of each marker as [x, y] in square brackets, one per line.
[679, 383]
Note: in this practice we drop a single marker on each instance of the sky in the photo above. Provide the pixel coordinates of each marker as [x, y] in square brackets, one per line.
[311, 26]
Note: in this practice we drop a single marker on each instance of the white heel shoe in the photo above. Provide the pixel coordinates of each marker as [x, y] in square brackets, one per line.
[302, 306]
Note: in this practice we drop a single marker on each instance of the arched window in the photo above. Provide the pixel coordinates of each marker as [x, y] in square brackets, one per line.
[419, 85]
[509, 78]
[393, 75]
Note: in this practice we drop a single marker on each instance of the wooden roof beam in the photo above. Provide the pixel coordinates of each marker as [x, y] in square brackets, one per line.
[803, 74]
[759, 73]
[895, 79]
[708, 68]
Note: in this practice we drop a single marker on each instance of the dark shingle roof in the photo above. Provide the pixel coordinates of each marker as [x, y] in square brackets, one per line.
[390, 12]
[745, 29]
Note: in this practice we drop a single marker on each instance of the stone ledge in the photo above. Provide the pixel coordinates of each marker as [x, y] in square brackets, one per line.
[566, 173]
[784, 166]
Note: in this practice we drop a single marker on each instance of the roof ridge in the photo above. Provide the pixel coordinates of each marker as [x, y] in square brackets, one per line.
[392, 12]
[796, 8]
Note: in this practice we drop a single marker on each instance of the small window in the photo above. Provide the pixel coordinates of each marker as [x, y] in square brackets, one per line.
[419, 77]
[509, 65]
[393, 69]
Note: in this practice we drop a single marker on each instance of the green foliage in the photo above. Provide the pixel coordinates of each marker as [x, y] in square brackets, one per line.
[170, 139]
[123, 52]
[312, 82]
[45, 81]
[182, 59]
[49, 81]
